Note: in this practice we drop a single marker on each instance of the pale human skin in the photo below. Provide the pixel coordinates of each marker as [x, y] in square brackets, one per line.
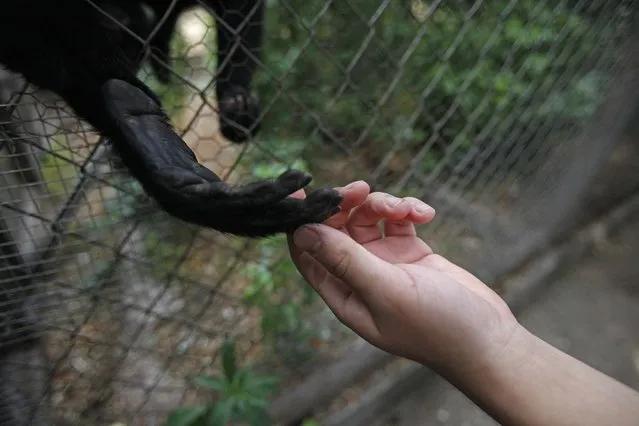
[391, 289]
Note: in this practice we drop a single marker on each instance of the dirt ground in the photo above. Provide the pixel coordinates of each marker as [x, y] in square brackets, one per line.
[590, 312]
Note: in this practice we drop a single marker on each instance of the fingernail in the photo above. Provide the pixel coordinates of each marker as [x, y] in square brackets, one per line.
[352, 184]
[423, 208]
[307, 239]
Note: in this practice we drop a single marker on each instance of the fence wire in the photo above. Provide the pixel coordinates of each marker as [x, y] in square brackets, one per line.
[109, 307]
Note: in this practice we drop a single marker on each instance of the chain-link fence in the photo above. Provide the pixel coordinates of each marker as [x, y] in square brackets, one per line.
[496, 113]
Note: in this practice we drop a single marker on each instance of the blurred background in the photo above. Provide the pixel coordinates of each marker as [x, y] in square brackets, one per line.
[515, 119]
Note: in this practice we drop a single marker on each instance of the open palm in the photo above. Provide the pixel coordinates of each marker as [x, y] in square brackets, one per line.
[386, 283]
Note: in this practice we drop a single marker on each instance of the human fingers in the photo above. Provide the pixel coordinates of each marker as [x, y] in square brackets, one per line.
[400, 213]
[345, 303]
[354, 195]
[331, 289]
[363, 223]
[420, 213]
[345, 259]
[299, 194]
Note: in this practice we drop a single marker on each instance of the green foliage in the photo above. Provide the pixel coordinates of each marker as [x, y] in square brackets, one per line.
[414, 70]
[275, 290]
[242, 396]
[274, 286]
[58, 171]
[274, 157]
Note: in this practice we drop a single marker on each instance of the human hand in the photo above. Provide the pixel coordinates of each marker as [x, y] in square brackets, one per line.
[388, 286]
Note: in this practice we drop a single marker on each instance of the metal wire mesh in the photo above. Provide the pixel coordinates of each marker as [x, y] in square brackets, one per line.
[478, 107]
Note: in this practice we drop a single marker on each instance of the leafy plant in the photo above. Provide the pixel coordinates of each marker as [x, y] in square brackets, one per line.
[411, 72]
[275, 290]
[274, 282]
[242, 396]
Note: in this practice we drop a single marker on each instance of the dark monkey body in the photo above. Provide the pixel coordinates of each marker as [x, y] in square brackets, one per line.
[237, 55]
[65, 46]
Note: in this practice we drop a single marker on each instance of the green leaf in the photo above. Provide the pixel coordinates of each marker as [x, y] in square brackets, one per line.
[261, 382]
[256, 417]
[260, 403]
[514, 28]
[239, 379]
[229, 364]
[537, 63]
[220, 414]
[186, 416]
[210, 382]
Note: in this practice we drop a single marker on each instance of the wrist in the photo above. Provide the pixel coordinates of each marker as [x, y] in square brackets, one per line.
[506, 350]
[494, 383]
[532, 382]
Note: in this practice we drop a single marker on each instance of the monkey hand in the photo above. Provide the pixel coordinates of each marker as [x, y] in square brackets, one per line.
[239, 114]
[170, 173]
[238, 109]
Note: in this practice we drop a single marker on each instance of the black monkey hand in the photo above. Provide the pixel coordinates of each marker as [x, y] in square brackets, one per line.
[239, 114]
[238, 108]
[170, 173]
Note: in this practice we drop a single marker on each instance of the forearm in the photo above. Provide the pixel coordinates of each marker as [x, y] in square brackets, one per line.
[533, 383]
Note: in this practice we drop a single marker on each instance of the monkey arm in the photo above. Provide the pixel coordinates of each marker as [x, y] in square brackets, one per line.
[169, 172]
[240, 33]
[240, 36]
[69, 53]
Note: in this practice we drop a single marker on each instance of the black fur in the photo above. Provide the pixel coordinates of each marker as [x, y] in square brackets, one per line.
[240, 28]
[64, 46]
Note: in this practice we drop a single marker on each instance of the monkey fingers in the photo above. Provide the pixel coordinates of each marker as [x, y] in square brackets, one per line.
[286, 215]
[233, 214]
[269, 191]
[254, 218]
[256, 194]
[239, 113]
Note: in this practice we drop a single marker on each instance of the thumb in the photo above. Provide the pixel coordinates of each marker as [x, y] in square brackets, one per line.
[343, 257]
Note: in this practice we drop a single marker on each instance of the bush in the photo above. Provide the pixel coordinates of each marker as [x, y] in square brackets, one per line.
[407, 75]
